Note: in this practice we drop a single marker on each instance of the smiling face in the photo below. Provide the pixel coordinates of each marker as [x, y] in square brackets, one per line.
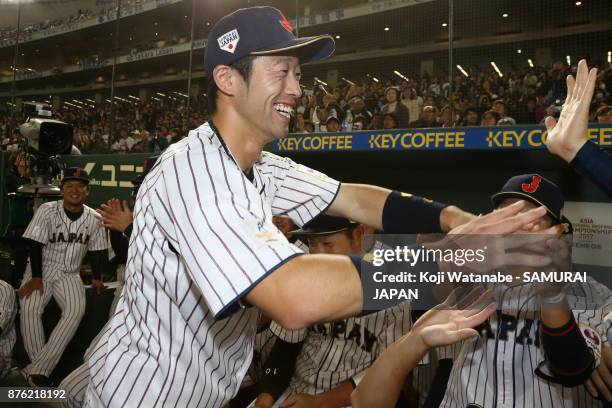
[74, 192]
[267, 102]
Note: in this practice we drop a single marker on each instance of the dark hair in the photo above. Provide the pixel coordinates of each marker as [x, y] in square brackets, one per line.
[244, 66]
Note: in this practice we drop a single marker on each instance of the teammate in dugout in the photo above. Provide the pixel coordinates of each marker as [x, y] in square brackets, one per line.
[117, 216]
[61, 233]
[322, 364]
[205, 259]
[545, 341]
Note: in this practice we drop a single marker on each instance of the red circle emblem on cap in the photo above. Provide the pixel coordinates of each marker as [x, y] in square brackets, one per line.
[230, 46]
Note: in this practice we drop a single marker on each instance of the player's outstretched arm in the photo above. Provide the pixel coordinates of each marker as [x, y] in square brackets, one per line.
[393, 211]
[567, 137]
[440, 326]
[320, 288]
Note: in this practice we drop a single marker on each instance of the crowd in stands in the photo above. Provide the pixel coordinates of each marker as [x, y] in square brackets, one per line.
[483, 99]
[103, 12]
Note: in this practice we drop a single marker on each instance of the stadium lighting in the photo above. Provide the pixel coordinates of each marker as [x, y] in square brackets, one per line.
[460, 68]
[399, 74]
[579, 3]
[134, 97]
[108, 100]
[89, 100]
[376, 79]
[444, 24]
[318, 81]
[530, 62]
[610, 57]
[505, 15]
[386, 28]
[519, 51]
[337, 37]
[347, 81]
[160, 94]
[569, 60]
[497, 69]
[157, 99]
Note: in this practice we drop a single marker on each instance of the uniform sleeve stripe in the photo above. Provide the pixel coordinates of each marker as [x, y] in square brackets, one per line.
[219, 315]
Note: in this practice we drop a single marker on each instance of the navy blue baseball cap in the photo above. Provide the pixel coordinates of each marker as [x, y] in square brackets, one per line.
[260, 31]
[536, 189]
[325, 225]
[75, 173]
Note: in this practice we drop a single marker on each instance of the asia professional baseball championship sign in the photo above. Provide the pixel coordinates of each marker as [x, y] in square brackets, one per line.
[468, 138]
[592, 224]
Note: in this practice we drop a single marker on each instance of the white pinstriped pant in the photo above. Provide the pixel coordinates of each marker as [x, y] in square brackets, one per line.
[75, 383]
[68, 291]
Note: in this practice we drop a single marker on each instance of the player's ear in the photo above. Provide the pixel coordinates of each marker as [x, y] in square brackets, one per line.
[226, 79]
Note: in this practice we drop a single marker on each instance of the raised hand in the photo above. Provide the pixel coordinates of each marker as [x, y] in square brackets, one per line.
[567, 135]
[115, 215]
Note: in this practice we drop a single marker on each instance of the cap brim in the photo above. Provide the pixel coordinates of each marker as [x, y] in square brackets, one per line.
[307, 233]
[84, 180]
[306, 49]
[497, 198]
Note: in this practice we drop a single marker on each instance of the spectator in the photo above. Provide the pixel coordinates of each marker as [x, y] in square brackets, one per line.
[398, 109]
[500, 106]
[413, 102]
[604, 114]
[361, 122]
[299, 122]
[527, 111]
[471, 117]
[390, 121]
[332, 124]
[309, 127]
[427, 119]
[444, 117]
[356, 107]
[490, 118]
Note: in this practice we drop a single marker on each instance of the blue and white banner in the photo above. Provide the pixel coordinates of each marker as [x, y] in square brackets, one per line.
[469, 138]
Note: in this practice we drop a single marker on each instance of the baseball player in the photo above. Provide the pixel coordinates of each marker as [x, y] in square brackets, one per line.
[335, 355]
[205, 257]
[61, 233]
[8, 309]
[499, 369]
[117, 217]
[516, 360]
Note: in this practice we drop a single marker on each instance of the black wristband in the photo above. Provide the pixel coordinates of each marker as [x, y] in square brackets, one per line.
[407, 214]
[573, 368]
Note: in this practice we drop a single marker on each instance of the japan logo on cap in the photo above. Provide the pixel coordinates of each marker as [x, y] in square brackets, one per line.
[229, 41]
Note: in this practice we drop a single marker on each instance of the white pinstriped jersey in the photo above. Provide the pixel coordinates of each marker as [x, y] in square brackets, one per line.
[339, 351]
[66, 242]
[8, 310]
[203, 236]
[498, 369]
